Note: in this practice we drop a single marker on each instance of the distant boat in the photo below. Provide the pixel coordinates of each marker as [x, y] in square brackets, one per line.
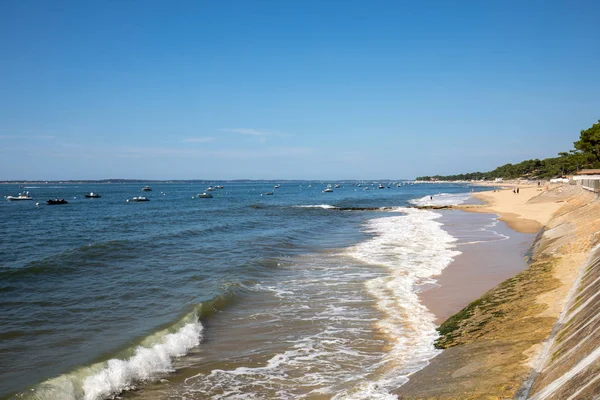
[146, 189]
[366, 188]
[328, 189]
[210, 189]
[92, 195]
[21, 196]
[267, 194]
[277, 186]
[139, 198]
[337, 185]
[56, 201]
[204, 195]
[218, 187]
[381, 186]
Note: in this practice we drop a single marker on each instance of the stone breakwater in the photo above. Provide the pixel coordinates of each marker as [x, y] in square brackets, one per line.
[537, 334]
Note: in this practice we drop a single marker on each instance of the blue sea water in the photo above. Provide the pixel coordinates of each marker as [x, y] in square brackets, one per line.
[243, 295]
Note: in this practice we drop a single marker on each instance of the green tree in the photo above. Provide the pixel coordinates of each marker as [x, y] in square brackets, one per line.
[589, 141]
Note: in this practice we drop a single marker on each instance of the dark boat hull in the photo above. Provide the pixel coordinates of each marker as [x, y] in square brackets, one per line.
[56, 201]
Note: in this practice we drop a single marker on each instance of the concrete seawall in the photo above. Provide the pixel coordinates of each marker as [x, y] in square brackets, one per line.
[537, 334]
[570, 365]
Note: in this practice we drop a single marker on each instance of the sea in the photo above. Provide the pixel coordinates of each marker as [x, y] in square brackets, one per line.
[298, 294]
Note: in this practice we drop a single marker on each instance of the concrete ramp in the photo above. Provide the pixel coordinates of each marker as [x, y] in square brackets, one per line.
[571, 365]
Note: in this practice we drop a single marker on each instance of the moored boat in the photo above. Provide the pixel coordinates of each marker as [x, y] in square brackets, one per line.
[204, 195]
[146, 189]
[92, 195]
[139, 198]
[21, 196]
[51, 202]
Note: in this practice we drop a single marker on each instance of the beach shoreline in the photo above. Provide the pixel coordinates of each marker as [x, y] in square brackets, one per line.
[481, 265]
[492, 344]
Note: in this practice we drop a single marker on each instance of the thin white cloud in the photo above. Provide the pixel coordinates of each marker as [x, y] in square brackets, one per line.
[199, 140]
[28, 137]
[259, 133]
[43, 137]
[245, 131]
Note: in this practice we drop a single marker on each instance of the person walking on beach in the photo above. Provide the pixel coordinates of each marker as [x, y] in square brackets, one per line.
[517, 190]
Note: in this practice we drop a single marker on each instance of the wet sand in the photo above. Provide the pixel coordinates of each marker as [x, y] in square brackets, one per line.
[480, 267]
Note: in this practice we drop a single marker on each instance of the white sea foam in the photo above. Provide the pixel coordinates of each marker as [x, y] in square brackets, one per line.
[323, 206]
[327, 335]
[151, 360]
[441, 199]
[413, 248]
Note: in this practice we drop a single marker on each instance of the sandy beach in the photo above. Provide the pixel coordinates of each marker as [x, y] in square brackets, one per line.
[492, 344]
[482, 266]
[478, 268]
[521, 211]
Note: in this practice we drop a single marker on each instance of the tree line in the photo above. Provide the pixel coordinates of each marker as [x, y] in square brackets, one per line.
[586, 154]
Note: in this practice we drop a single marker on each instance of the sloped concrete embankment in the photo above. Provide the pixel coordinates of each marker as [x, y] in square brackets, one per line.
[570, 366]
[495, 346]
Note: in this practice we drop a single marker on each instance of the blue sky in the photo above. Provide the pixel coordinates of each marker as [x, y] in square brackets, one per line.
[291, 89]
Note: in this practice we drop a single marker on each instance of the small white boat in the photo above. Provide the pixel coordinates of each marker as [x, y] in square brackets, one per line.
[218, 187]
[277, 186]
[146, 189]
[328, 189]
[210, 189]
[366, 188]
[337, 186]
[381, 186]
[267, 194]
[139, 198]
[92, 195]
[21, 196]
[204, 195]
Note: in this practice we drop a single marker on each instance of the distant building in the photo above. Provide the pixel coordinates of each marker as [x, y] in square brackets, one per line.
[589, 179]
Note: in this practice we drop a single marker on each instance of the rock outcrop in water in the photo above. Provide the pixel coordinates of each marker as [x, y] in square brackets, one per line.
[536, 335]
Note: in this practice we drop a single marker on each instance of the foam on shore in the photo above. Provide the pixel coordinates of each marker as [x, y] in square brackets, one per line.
[412, 248]
[442, 199]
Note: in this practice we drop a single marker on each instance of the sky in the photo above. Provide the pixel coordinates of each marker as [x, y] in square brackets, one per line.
[295, 89]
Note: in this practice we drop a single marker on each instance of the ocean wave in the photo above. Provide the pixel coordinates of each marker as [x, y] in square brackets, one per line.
[146, 362]
[323, 206]
[441, 199]
[413, 248]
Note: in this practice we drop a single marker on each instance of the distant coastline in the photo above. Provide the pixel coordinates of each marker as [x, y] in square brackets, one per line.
[121, 180]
